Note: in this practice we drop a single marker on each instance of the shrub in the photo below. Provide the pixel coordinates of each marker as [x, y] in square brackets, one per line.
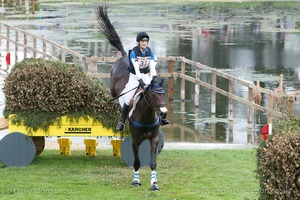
[279, 167]
[39, 91]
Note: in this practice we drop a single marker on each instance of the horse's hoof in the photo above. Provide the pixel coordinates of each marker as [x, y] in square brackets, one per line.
[154, 187]
[136, 183]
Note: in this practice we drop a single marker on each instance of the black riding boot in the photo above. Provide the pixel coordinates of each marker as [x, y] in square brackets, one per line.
[121, 125]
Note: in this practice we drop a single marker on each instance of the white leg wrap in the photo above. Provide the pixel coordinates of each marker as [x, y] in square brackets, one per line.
[153, 177]
[136, 176]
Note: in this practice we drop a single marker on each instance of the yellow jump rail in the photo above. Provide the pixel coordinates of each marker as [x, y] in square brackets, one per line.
[66, 128]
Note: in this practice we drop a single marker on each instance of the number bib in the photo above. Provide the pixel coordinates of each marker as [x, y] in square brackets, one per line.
[144, 62]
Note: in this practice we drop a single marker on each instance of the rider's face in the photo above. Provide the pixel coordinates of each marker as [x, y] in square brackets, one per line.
[143, 44]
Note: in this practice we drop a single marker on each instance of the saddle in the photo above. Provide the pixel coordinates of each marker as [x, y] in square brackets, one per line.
[134, 101]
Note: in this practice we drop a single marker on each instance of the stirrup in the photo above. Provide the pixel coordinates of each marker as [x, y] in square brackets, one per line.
[120, 126]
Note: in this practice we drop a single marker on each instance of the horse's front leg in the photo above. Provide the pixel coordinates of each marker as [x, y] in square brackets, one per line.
[153, 180]
[136, 177]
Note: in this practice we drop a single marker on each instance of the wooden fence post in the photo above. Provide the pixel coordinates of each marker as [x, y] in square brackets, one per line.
[250, 108]
[230, 100]
[44, 49]
[63, 55]
[170, 80]
[197, 88]
[213, 132]
[25, 46]
[53, 51]
[32, 6]
[270, 116]
[182, 120]
[171, 118]
[213, 92]
[94, 67]
[85, 64]
[75, 60]
[182, 89]
[230, 132]
[34, 47]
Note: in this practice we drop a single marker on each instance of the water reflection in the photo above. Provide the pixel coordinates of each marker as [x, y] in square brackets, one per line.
[253, 41]
[287, 22]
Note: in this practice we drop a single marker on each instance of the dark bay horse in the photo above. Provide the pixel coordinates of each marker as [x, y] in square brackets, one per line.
[144, 122]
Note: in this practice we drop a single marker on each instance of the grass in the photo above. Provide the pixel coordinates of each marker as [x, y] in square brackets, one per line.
[182, 174]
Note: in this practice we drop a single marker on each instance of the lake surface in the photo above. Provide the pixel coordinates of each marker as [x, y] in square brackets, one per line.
[252, 41]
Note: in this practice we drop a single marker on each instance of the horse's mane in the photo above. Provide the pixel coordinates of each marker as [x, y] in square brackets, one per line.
[108, 29]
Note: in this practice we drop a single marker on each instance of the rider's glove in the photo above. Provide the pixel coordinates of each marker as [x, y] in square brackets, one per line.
[142, 83]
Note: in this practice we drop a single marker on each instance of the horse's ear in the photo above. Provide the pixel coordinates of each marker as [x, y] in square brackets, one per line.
[151, 83]
[162, 82]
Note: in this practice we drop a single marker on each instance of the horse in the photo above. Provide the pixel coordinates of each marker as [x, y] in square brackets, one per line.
[144, 122]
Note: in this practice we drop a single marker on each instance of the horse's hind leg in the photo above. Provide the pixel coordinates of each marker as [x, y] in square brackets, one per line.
[136, 164]
[153, 180]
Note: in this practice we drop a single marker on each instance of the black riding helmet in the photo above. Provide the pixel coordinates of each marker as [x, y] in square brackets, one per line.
[142, 35]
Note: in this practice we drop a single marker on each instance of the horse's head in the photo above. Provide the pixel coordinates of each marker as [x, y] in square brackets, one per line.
[157, 97]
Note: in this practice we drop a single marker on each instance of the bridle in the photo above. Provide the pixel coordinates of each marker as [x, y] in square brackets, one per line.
[157, 90]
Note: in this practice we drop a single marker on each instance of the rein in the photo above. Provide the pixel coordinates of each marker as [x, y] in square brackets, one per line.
[122, 94]
[151, 106]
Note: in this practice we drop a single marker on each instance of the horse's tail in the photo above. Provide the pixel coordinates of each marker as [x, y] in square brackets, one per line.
[108, 29]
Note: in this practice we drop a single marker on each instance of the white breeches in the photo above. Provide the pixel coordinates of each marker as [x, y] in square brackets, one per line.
[132, 83]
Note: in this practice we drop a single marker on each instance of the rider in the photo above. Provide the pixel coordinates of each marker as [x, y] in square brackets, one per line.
[142, 69]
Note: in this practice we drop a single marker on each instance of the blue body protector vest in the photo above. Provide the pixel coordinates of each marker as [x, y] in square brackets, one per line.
[143, 60]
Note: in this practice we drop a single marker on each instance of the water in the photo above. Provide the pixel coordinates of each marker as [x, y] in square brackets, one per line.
[253, 41]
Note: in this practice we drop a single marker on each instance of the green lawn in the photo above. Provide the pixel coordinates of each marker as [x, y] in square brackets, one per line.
[182, 174]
